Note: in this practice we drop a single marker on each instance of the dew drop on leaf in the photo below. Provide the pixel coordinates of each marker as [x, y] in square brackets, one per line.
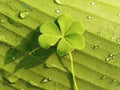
[103, 77]
[112, 38]
[23, 14]
[107, 59]
[13, 58]
[56, 83]
[111, 54]
[95, 46]
[57, 10]
[60, 2]
[33, 83]
[114, 80]
[92, 3]
[45, 80]
[89, 17]
[118, 39]
[113, 57]
[118, 14]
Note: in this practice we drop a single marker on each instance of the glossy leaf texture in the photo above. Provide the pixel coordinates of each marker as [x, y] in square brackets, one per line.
[97, 66]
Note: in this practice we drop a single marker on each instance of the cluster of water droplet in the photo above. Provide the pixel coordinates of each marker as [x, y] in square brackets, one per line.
[95, 46]
[112, 81]
[111, 56]
[59, 2]
[113, 37]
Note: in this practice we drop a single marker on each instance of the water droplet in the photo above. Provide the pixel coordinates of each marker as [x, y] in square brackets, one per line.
[95, 46]
[45, 80]
[56, 83]
[118, 39]
[89, 17]
[118, 14]
[113, 57]
[107, 59]
[111, 54]
[92, 3]
[60, 2]
[112, 38]
[114, 80]
[57, 10]
[23, 14]
[13, 58]
[103, 77]
[33, 83]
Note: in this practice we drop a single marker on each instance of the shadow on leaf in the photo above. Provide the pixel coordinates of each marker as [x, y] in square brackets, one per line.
[26, 54]
[69, 75]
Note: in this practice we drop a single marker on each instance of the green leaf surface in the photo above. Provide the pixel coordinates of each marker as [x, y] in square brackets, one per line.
[101, 22]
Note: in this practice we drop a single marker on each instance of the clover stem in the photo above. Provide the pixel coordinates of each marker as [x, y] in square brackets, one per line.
[75, 87]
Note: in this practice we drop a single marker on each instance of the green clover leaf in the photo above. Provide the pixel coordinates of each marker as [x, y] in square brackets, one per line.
[67, 33]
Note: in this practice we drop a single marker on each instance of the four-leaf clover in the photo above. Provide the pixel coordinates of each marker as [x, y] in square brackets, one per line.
[66, 33]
